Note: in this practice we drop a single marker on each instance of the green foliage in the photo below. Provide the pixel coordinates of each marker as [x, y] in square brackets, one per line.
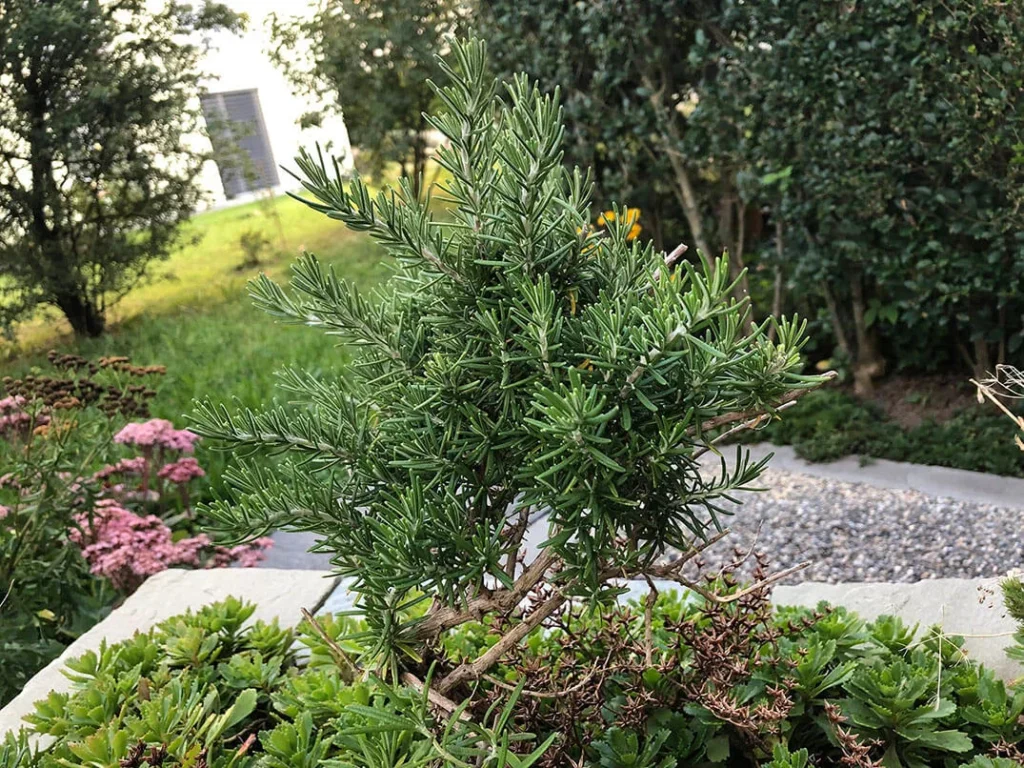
[882, 140]
[830, 424]
[47, 447]
[604, 55]
[191, 690]
[374, 62]
[621, 749]
[519, 361]
[783, 758]
[886, 137]
[96, 172]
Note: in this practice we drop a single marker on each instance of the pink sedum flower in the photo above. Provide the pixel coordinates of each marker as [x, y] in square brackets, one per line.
[158, 433]
[181, 471]
[128, 548]
[133, 466]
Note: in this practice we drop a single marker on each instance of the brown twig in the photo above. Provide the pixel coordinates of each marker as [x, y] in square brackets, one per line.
[652, 598]
[751, 424]
[730, 418]
[500, 600]
[475, 669]
[439, 700]
[542, 694]
[336, 650]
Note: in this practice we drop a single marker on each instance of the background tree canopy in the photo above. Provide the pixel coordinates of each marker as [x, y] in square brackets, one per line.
[97, 171]
[864, 159]
[372, 61]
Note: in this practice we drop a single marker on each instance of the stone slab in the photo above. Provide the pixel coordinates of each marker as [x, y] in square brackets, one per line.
[291, 551]
[279, 594]
[971, 608]
[960, 484]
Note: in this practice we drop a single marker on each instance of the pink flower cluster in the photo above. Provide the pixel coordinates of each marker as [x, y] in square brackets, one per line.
[14, 419]
[127, 548]
[181, 471]
[157, 433]
[137, 465]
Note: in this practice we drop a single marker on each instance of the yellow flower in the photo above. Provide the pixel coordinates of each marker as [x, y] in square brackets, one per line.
[629, 215]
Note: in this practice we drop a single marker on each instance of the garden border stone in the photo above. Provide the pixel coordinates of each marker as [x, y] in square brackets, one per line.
[280, 594]
[945, 482]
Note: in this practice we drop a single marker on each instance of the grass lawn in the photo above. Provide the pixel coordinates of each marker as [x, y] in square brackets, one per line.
[205, 272]
[197, 319]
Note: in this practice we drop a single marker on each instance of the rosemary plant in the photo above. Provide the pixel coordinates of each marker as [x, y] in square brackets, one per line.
[519, 361]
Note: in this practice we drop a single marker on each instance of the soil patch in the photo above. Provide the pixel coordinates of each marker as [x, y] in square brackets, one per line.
[909, 400]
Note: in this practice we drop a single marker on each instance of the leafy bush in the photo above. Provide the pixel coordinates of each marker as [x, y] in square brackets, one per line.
[829, 424]
[799, 687]
[81, 523]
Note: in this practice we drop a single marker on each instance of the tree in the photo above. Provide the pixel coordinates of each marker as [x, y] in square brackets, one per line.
[373, 62]
[97, 167]
[887, 137]
[520, 361]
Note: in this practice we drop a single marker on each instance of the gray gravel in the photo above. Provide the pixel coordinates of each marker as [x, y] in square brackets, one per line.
[855, 532]
[849, 532]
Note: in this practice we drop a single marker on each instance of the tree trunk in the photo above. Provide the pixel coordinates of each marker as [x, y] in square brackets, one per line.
[982, 360]
[684, 188]
[837, 322]
[732, 234]
[691, 208]
[777, 286]
[869, 363]
[84, 316]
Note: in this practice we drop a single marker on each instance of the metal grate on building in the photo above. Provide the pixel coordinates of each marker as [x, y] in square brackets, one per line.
[241, 147]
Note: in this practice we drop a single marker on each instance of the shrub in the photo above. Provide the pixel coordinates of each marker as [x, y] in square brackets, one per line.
[911, 248]
[828, 425]
[521, 361]
[81, 524]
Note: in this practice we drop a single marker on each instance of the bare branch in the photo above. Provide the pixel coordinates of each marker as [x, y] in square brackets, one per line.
[751, 424]
[476, 668]
[440, 701]
[730, 418]
[501, 600]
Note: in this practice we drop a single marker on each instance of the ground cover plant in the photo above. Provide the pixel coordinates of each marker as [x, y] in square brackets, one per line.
[830, 424]
[789, 687]
[93, 500]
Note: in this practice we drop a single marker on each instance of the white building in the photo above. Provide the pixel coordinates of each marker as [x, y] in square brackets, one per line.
[244, 85]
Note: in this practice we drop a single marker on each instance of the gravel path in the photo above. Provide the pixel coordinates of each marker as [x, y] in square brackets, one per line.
[857, 532]
[848, 531]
